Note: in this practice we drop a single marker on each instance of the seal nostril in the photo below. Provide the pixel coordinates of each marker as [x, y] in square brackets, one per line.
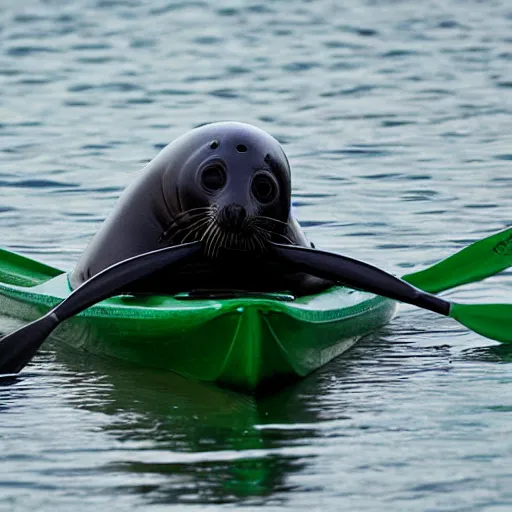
[241, 148]
[240, 212]
[233, 216]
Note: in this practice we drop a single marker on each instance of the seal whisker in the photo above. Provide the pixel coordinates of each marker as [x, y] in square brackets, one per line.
[261, 239]
[266, 232]
[175, 228]
[208, 236]
[215, 242]
[192, 213]
[223, 240]
[192, 210]
[209, 228]
[270, 233]
[194, 227]
[197, 224]
[267, 220]
[195, 230]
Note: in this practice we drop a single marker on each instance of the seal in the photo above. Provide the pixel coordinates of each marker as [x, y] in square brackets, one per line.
[227, 184]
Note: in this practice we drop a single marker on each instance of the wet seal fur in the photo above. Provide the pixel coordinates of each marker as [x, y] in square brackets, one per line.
[227, 184]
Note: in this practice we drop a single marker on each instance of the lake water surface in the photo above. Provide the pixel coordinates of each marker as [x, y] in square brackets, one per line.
[397, 120]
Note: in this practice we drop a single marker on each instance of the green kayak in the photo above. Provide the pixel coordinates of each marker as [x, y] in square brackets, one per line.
[241, 342]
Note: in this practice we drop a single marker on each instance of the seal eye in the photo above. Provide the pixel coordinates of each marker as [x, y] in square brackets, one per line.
[213, 178]
[264, 187]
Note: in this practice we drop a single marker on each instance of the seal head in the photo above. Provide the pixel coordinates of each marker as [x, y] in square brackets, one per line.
[233, 191]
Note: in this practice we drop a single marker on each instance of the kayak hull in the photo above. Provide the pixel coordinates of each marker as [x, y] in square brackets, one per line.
[243, 342]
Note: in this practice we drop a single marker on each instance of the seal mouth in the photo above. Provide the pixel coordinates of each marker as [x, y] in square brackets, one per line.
[229, 228]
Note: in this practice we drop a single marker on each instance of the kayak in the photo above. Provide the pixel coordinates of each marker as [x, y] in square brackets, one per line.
[239, 340]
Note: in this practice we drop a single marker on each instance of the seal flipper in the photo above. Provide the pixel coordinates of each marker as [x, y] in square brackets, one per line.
[18, 348]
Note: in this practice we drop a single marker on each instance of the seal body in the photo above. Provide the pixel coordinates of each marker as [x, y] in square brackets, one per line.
[227, 184]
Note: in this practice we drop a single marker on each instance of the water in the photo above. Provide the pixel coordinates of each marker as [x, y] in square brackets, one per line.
[396, 117]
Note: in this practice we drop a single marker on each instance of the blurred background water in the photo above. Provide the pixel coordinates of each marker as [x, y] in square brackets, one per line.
[396, 117]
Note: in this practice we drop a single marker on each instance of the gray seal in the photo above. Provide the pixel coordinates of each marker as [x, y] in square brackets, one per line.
[227, 184]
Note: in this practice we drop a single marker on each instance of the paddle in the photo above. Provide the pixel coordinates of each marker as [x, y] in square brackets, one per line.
[473, 263]
[17, 348]
[491, 320]
[477, 261]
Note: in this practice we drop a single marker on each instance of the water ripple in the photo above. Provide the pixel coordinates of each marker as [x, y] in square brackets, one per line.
[396, 119]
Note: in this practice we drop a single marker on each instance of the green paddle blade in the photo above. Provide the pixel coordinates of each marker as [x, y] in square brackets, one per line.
[490, 320]
[473, 263]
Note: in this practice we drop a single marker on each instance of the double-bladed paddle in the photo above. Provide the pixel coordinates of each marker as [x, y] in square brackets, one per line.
[490, 320]
[477, 261]
[18, 348]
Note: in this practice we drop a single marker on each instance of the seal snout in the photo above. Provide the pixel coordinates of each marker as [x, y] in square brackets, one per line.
[232, 217]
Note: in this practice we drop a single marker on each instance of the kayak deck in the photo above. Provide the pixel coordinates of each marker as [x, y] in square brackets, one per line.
[241, 342]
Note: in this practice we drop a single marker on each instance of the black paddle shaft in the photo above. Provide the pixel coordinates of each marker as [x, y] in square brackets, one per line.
[113, 279]
[18, 348]
[359, 275]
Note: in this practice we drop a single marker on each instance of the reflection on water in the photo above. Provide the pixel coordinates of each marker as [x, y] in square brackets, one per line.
[191, 442]
[491, 354]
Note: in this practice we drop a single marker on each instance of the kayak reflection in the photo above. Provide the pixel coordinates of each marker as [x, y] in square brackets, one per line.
[189, 441]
